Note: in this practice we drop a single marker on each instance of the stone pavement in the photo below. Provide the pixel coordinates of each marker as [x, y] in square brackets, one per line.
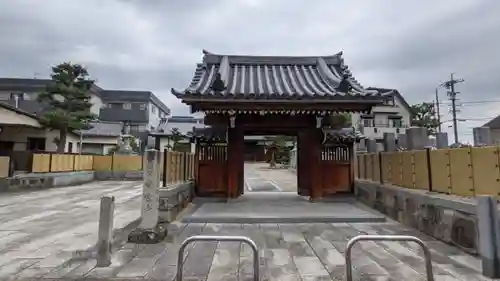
[259, 177]
[40, 230]
[281, 207]
[288, 252]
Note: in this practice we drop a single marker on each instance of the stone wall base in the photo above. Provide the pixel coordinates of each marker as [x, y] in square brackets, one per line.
[449, 218]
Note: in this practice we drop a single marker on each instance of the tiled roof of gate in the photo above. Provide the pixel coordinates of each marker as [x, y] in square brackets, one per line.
[272, 77]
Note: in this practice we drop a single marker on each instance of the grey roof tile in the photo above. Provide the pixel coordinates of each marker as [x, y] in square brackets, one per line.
[268, 77]
[184, 126]
[104, 129]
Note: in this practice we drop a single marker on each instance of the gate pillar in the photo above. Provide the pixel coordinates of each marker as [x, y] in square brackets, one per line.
[235, 157]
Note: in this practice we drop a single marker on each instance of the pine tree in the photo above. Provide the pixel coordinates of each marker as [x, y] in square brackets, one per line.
[68, 103]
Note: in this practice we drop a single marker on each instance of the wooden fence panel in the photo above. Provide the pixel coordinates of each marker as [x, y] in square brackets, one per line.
[376, 167]
[440, 170]
[407, 170]
[421, 169]
[369, 166]
[4, 166]
[41, 163]
[127, 162]
[485, 170]
[461, 172]
[362, 166]
[386, 166]
[102, 163]
[396, 174]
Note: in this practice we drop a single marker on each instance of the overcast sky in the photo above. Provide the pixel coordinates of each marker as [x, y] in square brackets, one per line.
[412, 46]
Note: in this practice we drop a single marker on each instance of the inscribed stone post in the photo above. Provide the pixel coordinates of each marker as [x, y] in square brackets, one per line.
[416, 138]
[105, 231]
[389, 142]
[482, 136]
[150, 230]
[371, 145]
[442, 140]
[150, 191]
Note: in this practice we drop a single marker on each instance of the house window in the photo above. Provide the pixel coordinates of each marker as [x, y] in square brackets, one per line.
[397, 123]
[36, 144]
[127, 105]
[367, 122]
[143, 106]
[153, 109]
[389, 101]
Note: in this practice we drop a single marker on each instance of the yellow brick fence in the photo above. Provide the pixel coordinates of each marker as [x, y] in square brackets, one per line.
[459, 171]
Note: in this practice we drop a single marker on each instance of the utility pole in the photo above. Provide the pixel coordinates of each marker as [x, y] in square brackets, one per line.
[437, 111]
[453, 97]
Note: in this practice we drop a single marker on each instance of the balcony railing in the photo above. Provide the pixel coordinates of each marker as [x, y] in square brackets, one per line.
[383, 125]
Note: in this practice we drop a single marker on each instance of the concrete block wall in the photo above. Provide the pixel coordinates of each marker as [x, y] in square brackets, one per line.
[447, 218]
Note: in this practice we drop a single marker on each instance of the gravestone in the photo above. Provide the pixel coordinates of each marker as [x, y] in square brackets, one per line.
[401, 141]
[371, 145]
[150, 230]
[416, 138]
[389, 142]
[442, 140]
[482, 136]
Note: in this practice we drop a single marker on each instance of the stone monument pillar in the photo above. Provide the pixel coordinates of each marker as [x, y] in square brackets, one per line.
[389, 142]
[371, 145]
[150, 231]
[442, 140]
[416, 138]
[482, 136]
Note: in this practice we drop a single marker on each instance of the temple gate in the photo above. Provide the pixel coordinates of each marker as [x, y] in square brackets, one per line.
[257, 95]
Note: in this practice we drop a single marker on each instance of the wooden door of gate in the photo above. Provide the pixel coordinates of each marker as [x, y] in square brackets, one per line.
[336, 169]
[212, 169]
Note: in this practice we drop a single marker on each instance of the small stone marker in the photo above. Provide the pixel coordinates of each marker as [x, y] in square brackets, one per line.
[489, 235]
[150, 230]
[105, 232]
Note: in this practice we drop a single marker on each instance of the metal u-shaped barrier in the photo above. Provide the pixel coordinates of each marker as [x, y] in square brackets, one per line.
[350, 244]
[242, 239]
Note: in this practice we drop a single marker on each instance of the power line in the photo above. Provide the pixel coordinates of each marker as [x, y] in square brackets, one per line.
[450, 85]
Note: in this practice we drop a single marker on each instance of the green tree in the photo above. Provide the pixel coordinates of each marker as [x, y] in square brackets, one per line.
[176, 137]
[424, 115]
[339, 120]
[68, 101]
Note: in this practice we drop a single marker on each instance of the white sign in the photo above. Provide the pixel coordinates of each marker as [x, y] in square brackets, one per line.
[150, 191]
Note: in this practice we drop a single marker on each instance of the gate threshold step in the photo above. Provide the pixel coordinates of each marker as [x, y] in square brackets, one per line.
[282, 219]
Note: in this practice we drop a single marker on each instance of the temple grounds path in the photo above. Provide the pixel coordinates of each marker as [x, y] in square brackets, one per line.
[299, 251]
[40, 230]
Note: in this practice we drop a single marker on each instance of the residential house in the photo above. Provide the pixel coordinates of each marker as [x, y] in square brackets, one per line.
[18, 98]
[141, 109]
[184, 124]
[494, 125]
[393, 116]
[101, 138]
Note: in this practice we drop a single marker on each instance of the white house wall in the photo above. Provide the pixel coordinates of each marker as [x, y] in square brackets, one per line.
[19, 135]
[11, 117]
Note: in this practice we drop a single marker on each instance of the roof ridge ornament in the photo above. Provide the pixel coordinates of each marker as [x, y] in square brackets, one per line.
[344, 85]
[218, 85]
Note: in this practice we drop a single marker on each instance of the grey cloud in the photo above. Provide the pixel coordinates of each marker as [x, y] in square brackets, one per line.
[155, 44]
